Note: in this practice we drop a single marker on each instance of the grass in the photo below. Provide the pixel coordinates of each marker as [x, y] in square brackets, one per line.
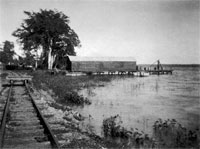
[66, 87]
[167, 134]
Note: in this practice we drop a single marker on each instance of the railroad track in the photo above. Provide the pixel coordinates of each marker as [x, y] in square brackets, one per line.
[22, 124]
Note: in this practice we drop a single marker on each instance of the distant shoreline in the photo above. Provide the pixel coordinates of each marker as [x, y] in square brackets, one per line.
[173, 65]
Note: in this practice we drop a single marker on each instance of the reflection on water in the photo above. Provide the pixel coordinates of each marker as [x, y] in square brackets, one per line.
[141, 101]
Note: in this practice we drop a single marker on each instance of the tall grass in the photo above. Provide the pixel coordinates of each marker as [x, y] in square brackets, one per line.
[167, 134]
[66, 87]
[170, 133]
[113, 130]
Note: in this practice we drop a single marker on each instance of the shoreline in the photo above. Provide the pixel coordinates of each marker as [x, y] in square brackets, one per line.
[61, 114]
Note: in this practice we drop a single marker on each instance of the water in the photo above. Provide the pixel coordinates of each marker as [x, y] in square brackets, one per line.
[141, 101]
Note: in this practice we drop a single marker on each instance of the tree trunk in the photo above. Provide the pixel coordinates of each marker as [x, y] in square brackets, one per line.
[49, 59]
[53, 59]
[36, 64]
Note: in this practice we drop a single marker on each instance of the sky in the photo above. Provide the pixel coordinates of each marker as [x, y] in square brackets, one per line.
[168, 30]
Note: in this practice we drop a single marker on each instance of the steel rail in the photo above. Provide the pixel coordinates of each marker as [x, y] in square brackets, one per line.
[3, 122]
[51, 137]
[2, 90]
[53, 140]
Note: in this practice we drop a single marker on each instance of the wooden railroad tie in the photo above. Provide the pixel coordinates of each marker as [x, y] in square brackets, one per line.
[24, 79]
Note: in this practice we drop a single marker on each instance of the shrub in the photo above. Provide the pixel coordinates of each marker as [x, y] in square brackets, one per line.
[73, 98]
[167, 134]
[66, 88]
[128, 138]
[170, 133]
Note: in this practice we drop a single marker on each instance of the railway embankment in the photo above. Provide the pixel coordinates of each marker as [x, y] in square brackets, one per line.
[56, 95]
[65, 122]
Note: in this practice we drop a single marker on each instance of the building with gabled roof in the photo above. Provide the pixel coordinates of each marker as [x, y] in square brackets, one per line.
[100, 64]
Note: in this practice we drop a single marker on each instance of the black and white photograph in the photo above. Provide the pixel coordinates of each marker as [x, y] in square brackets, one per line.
[100, 74]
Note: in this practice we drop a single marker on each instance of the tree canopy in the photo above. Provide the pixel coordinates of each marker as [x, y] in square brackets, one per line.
[50, 30]
[7, 52]
[27, 60]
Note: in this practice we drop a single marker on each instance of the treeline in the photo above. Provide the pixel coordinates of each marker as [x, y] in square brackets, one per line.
[45, 38]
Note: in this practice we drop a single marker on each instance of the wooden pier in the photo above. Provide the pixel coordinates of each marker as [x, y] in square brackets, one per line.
[158, 70]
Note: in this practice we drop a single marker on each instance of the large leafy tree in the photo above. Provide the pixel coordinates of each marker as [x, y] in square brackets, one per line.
[50, 30]
[7, 52]
[27, 60]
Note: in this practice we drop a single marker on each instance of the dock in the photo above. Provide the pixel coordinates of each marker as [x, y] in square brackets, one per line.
[158, 69]
[159, 72]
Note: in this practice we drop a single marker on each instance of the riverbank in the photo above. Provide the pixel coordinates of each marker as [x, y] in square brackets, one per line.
[56, 95]
[66, 87]
[58, 86]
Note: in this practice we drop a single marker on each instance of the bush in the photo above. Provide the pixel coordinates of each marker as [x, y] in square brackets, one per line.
[128, 138]
[167, 134]
[170, 133]
[73, 98]
[66, 88]
[11, 67]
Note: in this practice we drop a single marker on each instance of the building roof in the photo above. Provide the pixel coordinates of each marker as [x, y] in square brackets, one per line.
[110, 59]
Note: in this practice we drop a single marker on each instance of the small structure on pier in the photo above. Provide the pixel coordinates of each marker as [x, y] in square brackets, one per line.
[158, 69]
[101, 64]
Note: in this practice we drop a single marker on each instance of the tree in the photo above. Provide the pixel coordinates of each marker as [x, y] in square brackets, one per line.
[27, 60]
[50, 30]
[7, 52]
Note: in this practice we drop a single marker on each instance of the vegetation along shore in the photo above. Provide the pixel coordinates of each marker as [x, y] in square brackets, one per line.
[64, 90]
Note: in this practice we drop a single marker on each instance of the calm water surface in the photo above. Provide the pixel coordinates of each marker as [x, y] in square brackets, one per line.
[141, 101]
